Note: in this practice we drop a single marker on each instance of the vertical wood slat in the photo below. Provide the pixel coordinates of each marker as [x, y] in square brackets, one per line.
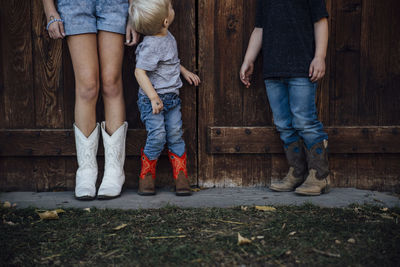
[206, 15]
[184, 31]
[17, 62]
[391, 95]
[323, 94]
[47, 72]
[3, 120]
[347, 46]
[374, 53]
[256, 110]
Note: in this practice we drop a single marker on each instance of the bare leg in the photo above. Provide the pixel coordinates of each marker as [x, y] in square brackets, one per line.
[111, 52]
[83, 49]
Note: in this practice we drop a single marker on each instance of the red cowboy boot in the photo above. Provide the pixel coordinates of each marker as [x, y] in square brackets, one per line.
[147, 178]
[180, 174]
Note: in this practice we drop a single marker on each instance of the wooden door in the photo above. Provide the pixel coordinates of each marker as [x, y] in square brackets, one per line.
[37, 101]
[358, 101]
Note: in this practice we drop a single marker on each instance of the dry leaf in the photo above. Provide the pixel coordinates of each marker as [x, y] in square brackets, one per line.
[120, 227]
[244, 208]
[9, 223]
[288, 252]
[260, 237]
[242, 240]
[283, 226]
[60, 211]
[87, 209]
[48, 215]
[14, 205]
[253, 238]
[338, 242]
[195, 189]
[351, 240]
[384, 209]
[265, 208]
[7, 205]
[292, 233]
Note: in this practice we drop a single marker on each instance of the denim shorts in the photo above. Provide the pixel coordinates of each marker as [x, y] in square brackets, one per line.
[90, 16]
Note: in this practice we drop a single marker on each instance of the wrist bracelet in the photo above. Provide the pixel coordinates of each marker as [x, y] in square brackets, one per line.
[52, 21]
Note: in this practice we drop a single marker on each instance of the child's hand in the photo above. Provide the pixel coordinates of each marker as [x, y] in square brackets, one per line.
[132, 37]
[191, 78]
[157, 105]
[245, 73]
[317, 69]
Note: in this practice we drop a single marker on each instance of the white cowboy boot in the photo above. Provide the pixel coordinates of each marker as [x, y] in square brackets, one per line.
[114, 153]
[86, 175]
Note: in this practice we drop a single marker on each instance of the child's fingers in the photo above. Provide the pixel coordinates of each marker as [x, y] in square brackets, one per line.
[311, 71]
[61, 28]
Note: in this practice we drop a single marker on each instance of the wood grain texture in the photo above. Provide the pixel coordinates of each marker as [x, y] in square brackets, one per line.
[58, 142]
[17, 63]
[358, 140]
[344, 98]
[47, 72]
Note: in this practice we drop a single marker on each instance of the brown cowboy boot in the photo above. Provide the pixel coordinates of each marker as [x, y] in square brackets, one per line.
[297, 168]
[180, 174]
[147, 178]
[318, 179]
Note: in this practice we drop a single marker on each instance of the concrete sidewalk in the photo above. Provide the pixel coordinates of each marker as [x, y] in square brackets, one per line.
[215, 197]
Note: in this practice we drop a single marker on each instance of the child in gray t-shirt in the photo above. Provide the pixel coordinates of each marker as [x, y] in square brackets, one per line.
[158, 72]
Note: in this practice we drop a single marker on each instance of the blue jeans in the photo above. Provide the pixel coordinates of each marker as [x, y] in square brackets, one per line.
[292, 101]
[163, 127]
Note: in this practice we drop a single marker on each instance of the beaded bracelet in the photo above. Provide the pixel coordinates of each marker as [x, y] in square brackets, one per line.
[52, 21]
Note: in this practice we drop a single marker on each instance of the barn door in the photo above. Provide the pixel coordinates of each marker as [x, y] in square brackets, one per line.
[357, 101]
[37, 101]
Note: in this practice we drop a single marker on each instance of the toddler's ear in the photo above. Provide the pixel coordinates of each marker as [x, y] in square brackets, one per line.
[166, 23]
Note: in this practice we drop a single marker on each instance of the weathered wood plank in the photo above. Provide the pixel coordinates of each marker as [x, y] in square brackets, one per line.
[375, 46]
[17, 63]
[56, 142]
[207, 71]
[47, 55]
[184, 31]
[344, 99]
[243, 140]
[323, 92]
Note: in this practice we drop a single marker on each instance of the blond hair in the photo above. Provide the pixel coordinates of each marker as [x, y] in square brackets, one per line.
[147, 16]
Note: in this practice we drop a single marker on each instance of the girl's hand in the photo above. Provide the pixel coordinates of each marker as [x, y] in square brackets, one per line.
[157, 105]
[245, 73]
[191, 78]
[132, 37]
[317, 69]
[56, 29]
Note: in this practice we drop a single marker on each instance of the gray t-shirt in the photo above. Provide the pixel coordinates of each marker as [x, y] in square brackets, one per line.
[158, 56]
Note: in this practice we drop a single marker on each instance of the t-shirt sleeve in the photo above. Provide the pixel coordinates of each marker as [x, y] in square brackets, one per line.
[146, 58]
[318, 10]
[259, 14]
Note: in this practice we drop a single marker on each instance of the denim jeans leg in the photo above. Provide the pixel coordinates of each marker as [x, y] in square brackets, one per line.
[156, 135]
[155, 126]
[278, 97]
[173, 125]
[302, 105]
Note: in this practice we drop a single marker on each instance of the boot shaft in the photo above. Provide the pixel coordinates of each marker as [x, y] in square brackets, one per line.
[86, 147]
[317, 159]
[296, 157]
[178, 164]
[114, 146]
[148, 166]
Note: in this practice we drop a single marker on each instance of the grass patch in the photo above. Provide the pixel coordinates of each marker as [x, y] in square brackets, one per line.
[305, 235]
